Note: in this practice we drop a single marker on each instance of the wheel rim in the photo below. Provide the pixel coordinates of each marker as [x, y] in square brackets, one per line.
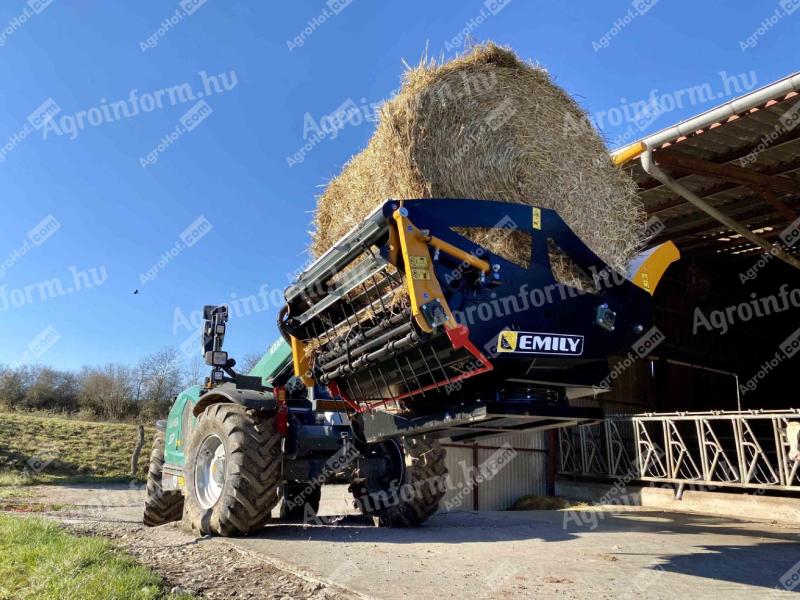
[397, 460]
[396, 473]
[209, 471]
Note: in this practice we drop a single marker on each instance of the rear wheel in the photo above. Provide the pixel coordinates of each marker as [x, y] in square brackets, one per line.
[160, 506]
[412, 490]
[300, 501]
[233, 470]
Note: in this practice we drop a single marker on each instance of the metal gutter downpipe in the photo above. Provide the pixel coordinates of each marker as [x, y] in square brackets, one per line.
[681, 363]
[650, 167]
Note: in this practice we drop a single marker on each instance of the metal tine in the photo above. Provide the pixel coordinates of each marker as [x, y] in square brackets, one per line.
[400, 370]
[366, 250]
[388, 275]
[347, 319]
[386, 383]
[427, 366]
[356, 298]
[349, 324]
[375, 383]
[370, 301]
[360, 391]
[340, 322]
[375, 288]
[316, 333]
[414, 375]
[360, 310]
[436, 356]
[385, 283]
[384, 270]
[352, 392]
[380, 298]
[314, 327]
[355, 312]
[327, 331]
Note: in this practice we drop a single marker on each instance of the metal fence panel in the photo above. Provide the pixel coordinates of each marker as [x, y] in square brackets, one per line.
[710, 449]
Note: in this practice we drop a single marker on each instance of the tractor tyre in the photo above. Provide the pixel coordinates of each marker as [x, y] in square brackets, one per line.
[232, 472]
[160, 506]
[411, 493]
[300, 502]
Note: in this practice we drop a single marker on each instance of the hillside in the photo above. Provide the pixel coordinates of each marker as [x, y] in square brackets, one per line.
[55, 449]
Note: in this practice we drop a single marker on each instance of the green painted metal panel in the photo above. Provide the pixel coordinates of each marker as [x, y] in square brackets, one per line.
[275, 359]
[179, 417]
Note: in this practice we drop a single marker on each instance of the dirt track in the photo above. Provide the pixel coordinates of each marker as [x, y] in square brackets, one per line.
[621, 553]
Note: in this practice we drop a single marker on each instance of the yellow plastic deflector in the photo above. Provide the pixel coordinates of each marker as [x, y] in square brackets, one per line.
[652, 269]
[628, 153]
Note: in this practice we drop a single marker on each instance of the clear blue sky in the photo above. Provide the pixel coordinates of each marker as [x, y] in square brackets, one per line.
[116, 202]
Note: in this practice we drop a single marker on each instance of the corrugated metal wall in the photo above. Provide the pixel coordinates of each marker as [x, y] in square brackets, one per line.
[524, 474]
[632, 390]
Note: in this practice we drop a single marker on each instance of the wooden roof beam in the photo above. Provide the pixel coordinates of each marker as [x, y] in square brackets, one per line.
[727, 172]
[722, 187]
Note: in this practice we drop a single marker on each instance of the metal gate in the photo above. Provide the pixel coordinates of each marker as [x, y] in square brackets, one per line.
[716, 449]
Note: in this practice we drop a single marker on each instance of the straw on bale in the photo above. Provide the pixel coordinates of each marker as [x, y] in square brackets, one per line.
[487, 125]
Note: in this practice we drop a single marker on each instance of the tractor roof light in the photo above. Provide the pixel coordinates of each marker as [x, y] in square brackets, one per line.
[216, 358]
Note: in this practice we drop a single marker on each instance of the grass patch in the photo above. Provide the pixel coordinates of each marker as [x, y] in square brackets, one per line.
[39, 560]
[46, 449]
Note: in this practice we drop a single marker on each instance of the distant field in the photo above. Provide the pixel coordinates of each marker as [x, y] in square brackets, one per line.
[54, 449]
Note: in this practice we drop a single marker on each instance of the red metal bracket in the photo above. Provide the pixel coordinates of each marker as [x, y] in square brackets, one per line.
[282, 417]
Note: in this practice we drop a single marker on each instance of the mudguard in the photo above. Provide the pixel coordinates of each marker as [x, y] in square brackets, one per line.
[190, 403]
[228, 392]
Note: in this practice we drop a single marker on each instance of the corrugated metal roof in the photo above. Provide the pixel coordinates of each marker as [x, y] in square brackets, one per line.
[763, 137]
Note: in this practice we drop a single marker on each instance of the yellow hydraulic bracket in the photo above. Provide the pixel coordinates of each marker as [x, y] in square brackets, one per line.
[654, 263]
[458, 253]
[423, 287]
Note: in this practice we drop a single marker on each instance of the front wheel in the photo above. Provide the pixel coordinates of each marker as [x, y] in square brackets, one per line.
[160, 506]
[232, 472]
[411, 491]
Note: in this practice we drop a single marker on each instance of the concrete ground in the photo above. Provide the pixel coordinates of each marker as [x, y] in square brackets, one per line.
[618, 552]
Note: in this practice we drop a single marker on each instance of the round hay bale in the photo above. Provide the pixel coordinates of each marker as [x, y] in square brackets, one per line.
[487, 125]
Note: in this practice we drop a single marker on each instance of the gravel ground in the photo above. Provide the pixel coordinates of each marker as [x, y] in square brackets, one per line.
[205, 567]
[609, 552]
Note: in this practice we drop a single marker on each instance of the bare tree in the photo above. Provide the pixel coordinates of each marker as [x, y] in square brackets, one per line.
[194, 373]
[107, 390]
[138, 374]
[14, 384]
[51, 389]
[247, 362]
[161, 381]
